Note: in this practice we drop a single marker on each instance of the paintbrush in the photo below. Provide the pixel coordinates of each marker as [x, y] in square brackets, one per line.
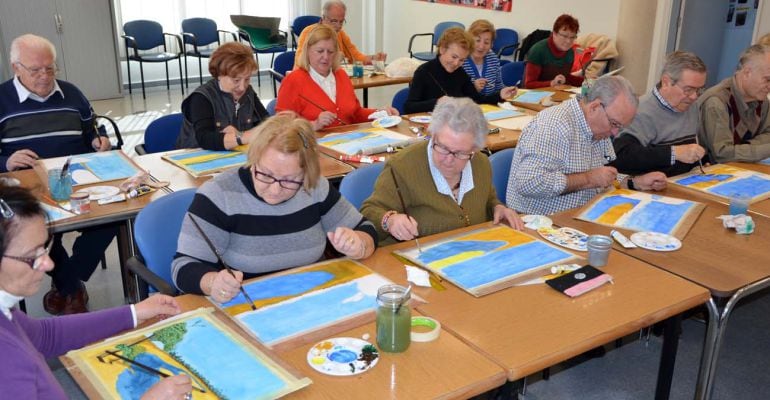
[403, 205]
[322, 109]
[700, 160]
[222, 261]
[437, 84]
[143, 366]
[65, 168]
[406, 298]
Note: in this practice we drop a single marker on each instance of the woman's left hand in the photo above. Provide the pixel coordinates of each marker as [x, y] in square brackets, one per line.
[347, 242]
[509, 92]
[158, 304]
[509, 216]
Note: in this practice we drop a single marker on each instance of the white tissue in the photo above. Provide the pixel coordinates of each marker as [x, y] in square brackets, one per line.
[378, 114]
[417, 276]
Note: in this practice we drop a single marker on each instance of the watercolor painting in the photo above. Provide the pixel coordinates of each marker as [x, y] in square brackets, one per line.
[202, 162]
[492, 113]
[639, 211]
[489, 259]
[54, 213]
[195, 343]
[306, 299]
[96, 167]
[531, 96]
[724, 181]
[365, 141]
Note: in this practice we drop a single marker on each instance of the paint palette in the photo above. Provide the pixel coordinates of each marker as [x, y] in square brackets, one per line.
[96, 193]
[420, 119]
[386, 122]
[566, 237]
[342, 356]
[656, 241]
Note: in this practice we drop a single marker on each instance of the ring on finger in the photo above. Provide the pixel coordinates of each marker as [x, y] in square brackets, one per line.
[188, 396]
[223, 292]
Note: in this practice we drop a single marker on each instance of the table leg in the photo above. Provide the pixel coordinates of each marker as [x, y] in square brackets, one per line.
[671, 329]
[366, 97]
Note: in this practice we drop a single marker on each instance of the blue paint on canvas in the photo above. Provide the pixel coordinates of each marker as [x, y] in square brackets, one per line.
[606, 204]
[500, 114]
[359, 142]
[134, 381]
[657, 216]
[532, 96]
[343, 136]
[280, 321]
[245, 376]
[184, 156]
[219, 163]
[285, 285]
[497, 265]
[105, 166]
[750, 186]
[693, 179]
[766, 161]
[449, 249]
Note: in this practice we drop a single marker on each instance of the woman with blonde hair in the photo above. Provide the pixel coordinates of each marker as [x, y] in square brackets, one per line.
[319, 90]
[482, 65]
[274, 213]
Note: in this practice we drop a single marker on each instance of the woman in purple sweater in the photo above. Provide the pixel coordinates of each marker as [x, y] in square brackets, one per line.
[25, 343]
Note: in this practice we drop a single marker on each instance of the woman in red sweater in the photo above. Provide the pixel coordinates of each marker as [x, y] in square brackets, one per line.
[549, 61]
[319, 90]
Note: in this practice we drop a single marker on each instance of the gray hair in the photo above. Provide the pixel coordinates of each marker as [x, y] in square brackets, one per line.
[679, 61]
[461, 115]
[30, 42]
[608, 88]
[333, 3]
[749, 56]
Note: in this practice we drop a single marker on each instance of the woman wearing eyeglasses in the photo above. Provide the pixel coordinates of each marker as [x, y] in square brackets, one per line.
[26, 342]
[276, 212]
[549, 61]
[446, 183]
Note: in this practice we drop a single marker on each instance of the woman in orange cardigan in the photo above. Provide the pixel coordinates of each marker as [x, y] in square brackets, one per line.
[319, 90]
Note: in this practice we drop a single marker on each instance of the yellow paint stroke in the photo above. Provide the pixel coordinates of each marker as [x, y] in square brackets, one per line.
[619, 192]
[717, 170]
[614, 213]
[207, 158]
[343, 270]
[485, 108]
[512, 238]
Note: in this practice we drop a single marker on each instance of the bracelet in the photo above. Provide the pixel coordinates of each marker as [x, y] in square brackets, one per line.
[238, 139]
[630, 183]
[385, 219]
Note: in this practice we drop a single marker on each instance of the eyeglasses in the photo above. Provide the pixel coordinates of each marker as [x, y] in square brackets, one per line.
[566, 36]
[689, 90]
[37, 260]
[613, 123]
[335, 21]
[49, 70]
[269, 179]
[444, 151]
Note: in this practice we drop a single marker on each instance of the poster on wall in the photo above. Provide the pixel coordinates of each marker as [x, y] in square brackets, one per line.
[496, 5]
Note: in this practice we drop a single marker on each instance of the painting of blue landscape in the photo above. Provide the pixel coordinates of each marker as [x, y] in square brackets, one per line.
[368, 141]
[724, 181]
[490, 259]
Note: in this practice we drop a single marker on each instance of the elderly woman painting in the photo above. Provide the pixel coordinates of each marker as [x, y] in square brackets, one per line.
[26, 342]
[277, 212]
[319, 90]
[446, 182]
[222, 113]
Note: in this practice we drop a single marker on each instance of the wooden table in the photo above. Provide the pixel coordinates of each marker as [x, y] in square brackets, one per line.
[730, 266]
[446, 368]
[370, 80]
[560, 94]
[528, 328]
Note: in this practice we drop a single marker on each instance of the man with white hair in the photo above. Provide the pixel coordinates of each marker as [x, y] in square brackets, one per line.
[42, 117]
[734, 113]
[560, 161]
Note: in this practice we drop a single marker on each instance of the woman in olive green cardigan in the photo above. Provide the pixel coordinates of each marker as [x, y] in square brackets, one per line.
[446, 182]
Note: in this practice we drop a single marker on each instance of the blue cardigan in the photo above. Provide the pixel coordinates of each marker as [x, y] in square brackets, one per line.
[490, 70]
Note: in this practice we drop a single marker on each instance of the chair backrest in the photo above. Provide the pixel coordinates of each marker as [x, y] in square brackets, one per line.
[271, 107]
[283, 63]
[501, 169]
[506, 42]
[358, 185]
[529, 41]
[204, 29]
[156, 231]
[300, 23]
[399, 99]
[162, 133]
[148, 34]
[441, 27]
[512, 73]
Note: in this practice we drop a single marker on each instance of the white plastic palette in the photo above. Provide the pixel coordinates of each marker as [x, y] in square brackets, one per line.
[97, 193]
[420, 119]
[343, 356]
[565, 237]
[656, 241]
[386, 122]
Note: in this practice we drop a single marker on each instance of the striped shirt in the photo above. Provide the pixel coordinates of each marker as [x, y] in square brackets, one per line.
[490, 70]
[256, 237]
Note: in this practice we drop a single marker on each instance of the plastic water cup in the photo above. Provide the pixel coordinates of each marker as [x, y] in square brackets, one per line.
[59, 185]
[739, 204]
[379, 65]
[598, 250]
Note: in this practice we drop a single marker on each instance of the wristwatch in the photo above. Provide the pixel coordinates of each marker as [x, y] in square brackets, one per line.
[239, 138]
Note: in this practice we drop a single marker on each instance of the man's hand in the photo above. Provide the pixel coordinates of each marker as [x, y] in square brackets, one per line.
[602, 177]
[101, 143]
[688, 153]
[21, 159]
[650, 181]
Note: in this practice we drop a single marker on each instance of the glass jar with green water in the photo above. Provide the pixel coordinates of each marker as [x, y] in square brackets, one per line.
[394, 319]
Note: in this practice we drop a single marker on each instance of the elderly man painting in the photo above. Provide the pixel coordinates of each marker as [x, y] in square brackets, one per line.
[334, 15]
[662, 136]
[734, 113]
[560, 161]
[42, 117]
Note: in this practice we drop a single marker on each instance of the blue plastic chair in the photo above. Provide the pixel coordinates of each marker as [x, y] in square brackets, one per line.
[263, 35]
[200, 32]
[506, 42]
[513, 73]
[501, 169]
[141, 35]
[299, 24]
[271, 107]
[284, 63]
[358, 185]
[400, 99]
[161, 134]
[435, 36]
[156, 232]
